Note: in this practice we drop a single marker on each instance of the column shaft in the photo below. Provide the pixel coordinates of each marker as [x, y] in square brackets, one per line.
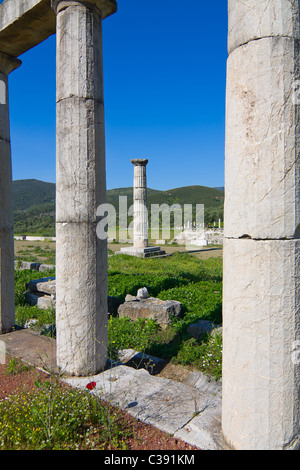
[7, 290]
[140, 213]
[81, 258]
[261, 312]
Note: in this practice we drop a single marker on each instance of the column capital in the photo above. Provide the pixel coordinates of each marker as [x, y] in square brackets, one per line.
[8, 63]
[104, 7]
[139, 161]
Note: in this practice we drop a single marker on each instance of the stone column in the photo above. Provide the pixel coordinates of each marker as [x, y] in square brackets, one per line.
[140, 213]
[261, 309]
[7, 283]
[81, 258]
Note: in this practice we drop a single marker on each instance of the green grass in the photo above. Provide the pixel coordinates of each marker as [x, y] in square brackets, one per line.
[196, 283]
[52, 417]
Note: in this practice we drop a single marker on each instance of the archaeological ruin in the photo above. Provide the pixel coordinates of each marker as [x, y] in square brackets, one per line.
[261, 299]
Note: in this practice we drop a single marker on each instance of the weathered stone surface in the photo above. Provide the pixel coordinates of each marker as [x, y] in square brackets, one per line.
[152, 308]
[7, 291]
[46, 285]
[46, 267]
[81, 258]
[201, 328]
[40, 300]
[204, 429]
[148, 252]
[257, 19]
[163, 403]
[103, 7]
[142, 293]
[140, 213]
[24, 24]
[138, 360]
[261, 321]
[130, 298]
[261, 316]
[262, 167]
[34, 266]
[81, 299]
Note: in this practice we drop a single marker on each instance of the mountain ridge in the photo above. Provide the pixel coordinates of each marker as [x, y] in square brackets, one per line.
[34, 202]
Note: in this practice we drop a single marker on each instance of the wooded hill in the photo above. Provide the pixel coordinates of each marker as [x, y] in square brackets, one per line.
[34, 203]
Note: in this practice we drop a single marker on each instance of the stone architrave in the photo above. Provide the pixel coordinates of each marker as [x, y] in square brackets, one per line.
[81, 258]
[261, 298]
[7, 287]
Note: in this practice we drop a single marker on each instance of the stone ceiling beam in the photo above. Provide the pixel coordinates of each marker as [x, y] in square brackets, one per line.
[25, 24]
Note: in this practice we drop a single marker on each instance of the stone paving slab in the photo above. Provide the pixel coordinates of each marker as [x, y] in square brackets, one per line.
[178, 409]
[31, 347]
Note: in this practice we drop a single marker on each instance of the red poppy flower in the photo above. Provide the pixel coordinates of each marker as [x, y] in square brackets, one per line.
[91, 385]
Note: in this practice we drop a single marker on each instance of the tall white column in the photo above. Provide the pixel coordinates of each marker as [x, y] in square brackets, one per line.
[261, 307]
[140, 213]
[7, 289]
[81, 258]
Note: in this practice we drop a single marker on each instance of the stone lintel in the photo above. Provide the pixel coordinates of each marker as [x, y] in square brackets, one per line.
[24, 24]
[139, 161]
[8, 63]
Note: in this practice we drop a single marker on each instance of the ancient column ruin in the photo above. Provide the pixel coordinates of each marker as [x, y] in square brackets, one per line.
[81, 269]
[261, 309]
[81, 257]
[7, 282]
[140, 212]
[140, 246]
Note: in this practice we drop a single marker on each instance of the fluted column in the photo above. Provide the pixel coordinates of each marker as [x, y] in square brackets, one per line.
[140, 214]
[261, 300]
[81, 258]
[7, 290]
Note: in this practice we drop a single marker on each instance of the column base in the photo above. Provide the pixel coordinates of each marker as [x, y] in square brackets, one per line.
[148, 252]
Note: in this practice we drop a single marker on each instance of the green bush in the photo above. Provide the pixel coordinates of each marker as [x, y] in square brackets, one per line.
[124, 333]
[202, 300]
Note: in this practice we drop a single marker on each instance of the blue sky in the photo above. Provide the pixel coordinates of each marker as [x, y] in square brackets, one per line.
[164, 85]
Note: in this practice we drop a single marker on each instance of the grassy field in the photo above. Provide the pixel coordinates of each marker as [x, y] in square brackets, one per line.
[38, 251]
[194, 279]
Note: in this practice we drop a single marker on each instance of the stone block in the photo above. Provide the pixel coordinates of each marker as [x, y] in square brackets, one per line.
[201, 328]
[152, 308]
[46, 267]
[261, 322]
[130, 298]
[25, 24]
[261, 18]
[262, 165]
[29, 265]
[139, 360]
[81, 298]
[45, 285]
[142, 293]
[7, 291]
[40, 300]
